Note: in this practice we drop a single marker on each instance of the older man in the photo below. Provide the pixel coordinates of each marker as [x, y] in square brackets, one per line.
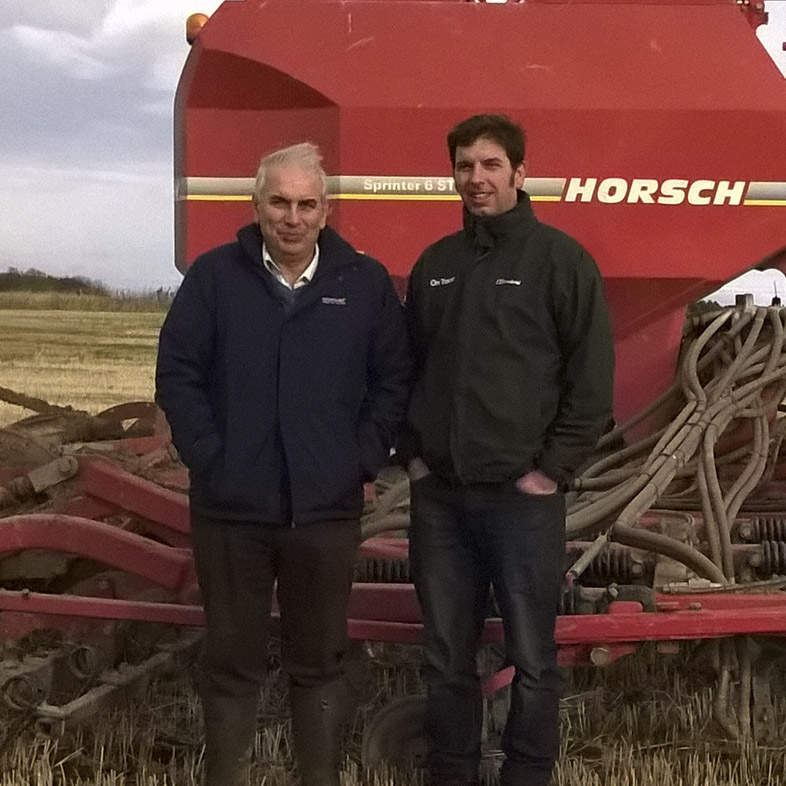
[282, 369]
[513, 389]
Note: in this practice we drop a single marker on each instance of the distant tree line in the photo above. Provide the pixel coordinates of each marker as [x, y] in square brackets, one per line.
[34, 280]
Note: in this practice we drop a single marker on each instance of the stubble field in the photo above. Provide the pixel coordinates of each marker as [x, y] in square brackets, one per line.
[90, 360]
[646, 721]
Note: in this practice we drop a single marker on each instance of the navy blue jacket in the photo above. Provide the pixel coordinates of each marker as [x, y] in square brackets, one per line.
[263, 403]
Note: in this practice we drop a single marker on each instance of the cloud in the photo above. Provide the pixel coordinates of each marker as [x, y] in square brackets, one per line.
[86, 131]
[87, 136]
[130, 17]
[773, 33]
[110, 225]
[78, 17]
[65, 51]
[86, 159]
[91, 79]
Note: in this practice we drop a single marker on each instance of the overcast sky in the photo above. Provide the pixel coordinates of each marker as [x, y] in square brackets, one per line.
[86, 134]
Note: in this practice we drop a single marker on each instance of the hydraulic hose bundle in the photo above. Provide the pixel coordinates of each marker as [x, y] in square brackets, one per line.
[733, 369]
[731, 379]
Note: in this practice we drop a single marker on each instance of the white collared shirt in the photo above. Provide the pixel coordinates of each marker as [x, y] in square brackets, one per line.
[275, 270]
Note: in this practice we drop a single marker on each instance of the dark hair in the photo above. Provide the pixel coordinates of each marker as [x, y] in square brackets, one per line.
[499, 128]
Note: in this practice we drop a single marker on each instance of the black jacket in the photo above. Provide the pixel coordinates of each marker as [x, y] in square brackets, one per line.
[268, 409]
[514, 351]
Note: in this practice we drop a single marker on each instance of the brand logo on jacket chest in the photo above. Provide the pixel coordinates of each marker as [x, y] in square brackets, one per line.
[512, 282]
[334, 301]
[441, 282]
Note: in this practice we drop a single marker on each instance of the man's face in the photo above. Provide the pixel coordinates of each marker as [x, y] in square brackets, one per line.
[485, 179]
[291, 210]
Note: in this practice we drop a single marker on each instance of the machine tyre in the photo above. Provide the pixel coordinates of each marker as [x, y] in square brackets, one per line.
[395, 736]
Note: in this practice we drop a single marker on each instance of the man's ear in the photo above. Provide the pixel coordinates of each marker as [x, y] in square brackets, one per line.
[519, 175]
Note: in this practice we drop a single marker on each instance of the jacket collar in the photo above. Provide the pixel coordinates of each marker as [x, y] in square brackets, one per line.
[486, 231]
[334, 251]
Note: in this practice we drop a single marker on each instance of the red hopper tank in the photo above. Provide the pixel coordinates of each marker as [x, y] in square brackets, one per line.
[656, 136]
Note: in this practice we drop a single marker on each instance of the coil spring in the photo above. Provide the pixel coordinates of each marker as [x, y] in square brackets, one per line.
[572, 601]
[764, 528]
[773, 559]
[613, 565]
[388, 571]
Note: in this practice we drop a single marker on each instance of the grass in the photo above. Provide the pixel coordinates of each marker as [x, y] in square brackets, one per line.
[72, 301]
[645, 721]
[90, 360]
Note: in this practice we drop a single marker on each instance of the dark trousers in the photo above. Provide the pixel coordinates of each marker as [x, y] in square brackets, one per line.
[463, 540]
[237, 565]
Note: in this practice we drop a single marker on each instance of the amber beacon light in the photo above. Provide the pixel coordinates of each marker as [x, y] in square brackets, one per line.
[194, 24]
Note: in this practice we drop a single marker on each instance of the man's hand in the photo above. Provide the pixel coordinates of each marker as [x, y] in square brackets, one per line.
[536, 482]
[417, 469]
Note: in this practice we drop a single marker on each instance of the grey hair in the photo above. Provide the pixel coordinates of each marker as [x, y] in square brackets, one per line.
[305, 155]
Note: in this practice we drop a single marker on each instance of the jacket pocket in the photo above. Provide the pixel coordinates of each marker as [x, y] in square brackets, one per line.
[203, 454]
[371, 456]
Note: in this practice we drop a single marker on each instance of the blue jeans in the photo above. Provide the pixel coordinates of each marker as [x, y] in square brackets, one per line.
[463, 540]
